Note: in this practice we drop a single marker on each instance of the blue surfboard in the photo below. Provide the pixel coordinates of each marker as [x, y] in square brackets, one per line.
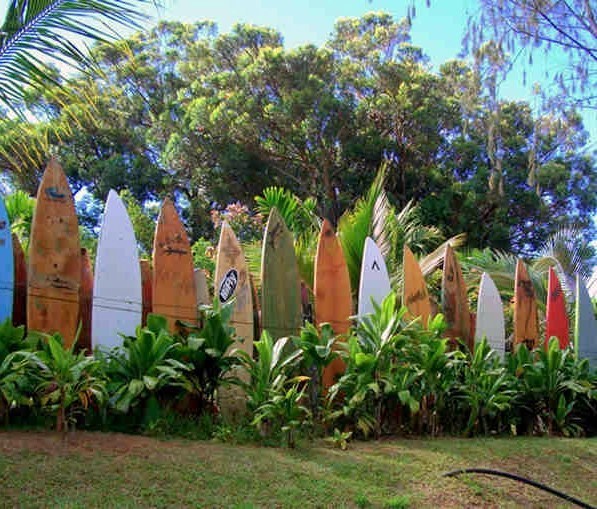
[7, 273]
[585, 337]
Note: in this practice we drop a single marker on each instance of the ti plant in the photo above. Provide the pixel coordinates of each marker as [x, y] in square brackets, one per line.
[284, 409]
[206, 353]
[317, 348]
[144, 365]
[68, 382]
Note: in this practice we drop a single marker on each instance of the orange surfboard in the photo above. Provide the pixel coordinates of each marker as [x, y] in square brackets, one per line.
[333, 298]
[526, 327]
[54, 259]
[146, 294]
[19, 304]
[556, 317]
[85, 302]
[415, 295]
[173, 294]
[455, 301]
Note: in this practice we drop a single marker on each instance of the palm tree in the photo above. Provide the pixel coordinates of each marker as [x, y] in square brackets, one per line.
[37, 32]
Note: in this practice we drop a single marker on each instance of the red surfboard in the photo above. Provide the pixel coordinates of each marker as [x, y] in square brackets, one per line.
[556, 317]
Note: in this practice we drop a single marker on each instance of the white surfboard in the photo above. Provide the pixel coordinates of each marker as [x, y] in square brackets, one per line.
[375, 282]
[585, 333]
[117, 298]
[490, 316]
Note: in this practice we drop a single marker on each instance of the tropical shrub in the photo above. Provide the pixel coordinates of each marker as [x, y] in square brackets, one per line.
[486, 392]
[67, 383]
[144, 365]
[205, 352]
[317, 347]
[552, 382]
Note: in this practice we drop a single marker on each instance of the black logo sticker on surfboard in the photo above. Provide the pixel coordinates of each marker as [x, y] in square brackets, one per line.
[228, 285]
[375, 266]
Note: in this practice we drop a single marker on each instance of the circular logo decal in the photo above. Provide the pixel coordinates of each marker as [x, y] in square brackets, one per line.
[228, 285]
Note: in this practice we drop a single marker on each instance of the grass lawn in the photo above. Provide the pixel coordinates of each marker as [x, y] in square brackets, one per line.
[115, 470]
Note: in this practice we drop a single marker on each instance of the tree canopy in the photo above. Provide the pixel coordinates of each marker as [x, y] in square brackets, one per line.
[214, 118]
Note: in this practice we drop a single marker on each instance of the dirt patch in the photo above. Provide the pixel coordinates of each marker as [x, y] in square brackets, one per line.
[84, 442]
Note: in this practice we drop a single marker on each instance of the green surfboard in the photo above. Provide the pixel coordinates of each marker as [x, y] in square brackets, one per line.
[280, 284]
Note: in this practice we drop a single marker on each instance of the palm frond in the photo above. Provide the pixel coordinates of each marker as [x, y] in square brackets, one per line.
[37, 31]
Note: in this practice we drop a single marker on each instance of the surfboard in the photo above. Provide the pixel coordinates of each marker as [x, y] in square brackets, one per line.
[526, 325]
[146, 293]
[85, 302]
[556, 317]
[490, 316]
[174, 293]
[203, 297]
[231, 282]
[19, 303]
[415, 295]
[333, 298]
[585, 330]
[54, 274]
[280, 285]
[455, 301]
[374, 283]
[117, 298]
[7, 276]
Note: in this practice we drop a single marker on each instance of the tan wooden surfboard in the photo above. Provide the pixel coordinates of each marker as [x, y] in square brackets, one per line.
[526, 325]
[333, 298]
[455, 301]
[203, 297]
[280, 286]
[54, 272]
[85, 302]
[19, 305]
[146, 292]
[231, 282]
[415, 295]
[173, 289]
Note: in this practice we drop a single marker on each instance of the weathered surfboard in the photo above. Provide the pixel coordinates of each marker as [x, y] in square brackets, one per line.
[374, 283]
[231, 282]
[54, 272]
[203, 298]
[490, 316]
[333, 298]
[415, 295]
[556, 317]
[455, 300]
[146, 293]
[7, 276]
[526, 325]
[85, 302]
[19, 303]
[117, 298]
[585, 331]
[174, 293]
[280, 285]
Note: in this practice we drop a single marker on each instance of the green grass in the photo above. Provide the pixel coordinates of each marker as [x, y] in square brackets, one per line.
[109, 470]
